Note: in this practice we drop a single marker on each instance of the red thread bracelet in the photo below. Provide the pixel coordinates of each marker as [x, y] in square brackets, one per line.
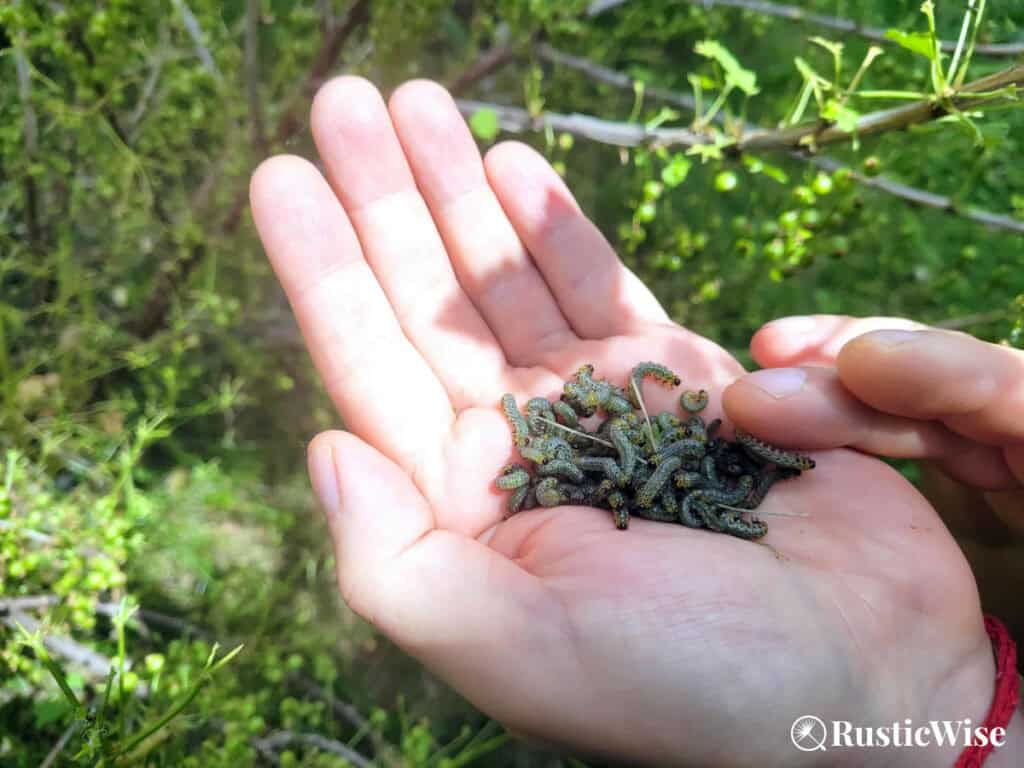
[1004, 701]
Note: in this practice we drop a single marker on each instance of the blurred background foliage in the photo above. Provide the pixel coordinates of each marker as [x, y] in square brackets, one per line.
[154, 395]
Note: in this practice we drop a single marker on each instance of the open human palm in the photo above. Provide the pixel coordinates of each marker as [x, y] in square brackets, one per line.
[428, 282]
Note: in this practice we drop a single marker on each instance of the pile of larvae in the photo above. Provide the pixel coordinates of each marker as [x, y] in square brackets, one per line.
[659, 467]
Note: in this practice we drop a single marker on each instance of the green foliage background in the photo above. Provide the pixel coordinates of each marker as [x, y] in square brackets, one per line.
[155, 398]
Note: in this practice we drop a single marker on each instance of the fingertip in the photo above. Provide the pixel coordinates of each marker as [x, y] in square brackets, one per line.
[349, 97]
[763, 348]
[354, 134]
[278, 176]
[791, 340]
[924, 374]
[516, 163]
[804, 407]
[420, 97]
[504, 154]
[534, 197]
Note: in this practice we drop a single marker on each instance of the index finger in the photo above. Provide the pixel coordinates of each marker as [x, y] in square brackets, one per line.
[975, 388]
[383, 389]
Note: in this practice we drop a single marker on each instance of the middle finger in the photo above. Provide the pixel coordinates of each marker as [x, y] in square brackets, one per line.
[491, 262]
[368, 171]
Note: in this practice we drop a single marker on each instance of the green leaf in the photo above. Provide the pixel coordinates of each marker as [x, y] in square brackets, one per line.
[706, 152]
[484, 124]
[735, 75]
[844, 117]
[918, 42]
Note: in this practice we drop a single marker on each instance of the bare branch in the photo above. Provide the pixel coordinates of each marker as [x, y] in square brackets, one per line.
[618, 134]
[881, 183]
[357, 15]
[347, 711]
[612, 77]
[37, 536]
[924, 198]
[30, 134]
[967, 321]
[885, 120]
[158, 302]
[517, 120]
[269, 745]
[30, 125]
[793, 13]
[797, 137]
[148, 89]
[489, 62]
[29, 603]
[383, 753]
[195, 31]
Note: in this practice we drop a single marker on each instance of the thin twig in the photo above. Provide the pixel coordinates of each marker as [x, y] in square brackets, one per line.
[30, 134]
[158, 619]
[348, 712]
[96, 664]
[489, 62]
[926, 199]
[62, 742]
[269, 745]
[158, 303]
[761, 513]
[587, 435]
[37, 536]
[383, 752]
[967, 321]
[148, 89]
[29, 603]
[195, 31]
[331, 47]
[884, 184]
[849, 26]
[619, 134]
[575, 431]
[626, 134]
[643, 409]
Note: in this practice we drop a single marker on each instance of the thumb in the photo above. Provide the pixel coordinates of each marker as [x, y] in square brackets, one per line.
[446, 598]
[374, 513]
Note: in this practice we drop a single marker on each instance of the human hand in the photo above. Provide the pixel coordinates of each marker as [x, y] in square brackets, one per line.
[895, 388]
[427, 283]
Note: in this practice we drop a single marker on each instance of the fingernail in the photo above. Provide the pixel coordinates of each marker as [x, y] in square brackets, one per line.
[892, 338]
[324, 477]
[797, 325]
[779, 382]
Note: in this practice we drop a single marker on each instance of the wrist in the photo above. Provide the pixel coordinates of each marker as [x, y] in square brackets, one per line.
[928, 695]
[1012, 751]
[967, 695]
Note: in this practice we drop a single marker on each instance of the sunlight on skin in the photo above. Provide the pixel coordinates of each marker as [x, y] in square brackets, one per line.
[429, 282]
